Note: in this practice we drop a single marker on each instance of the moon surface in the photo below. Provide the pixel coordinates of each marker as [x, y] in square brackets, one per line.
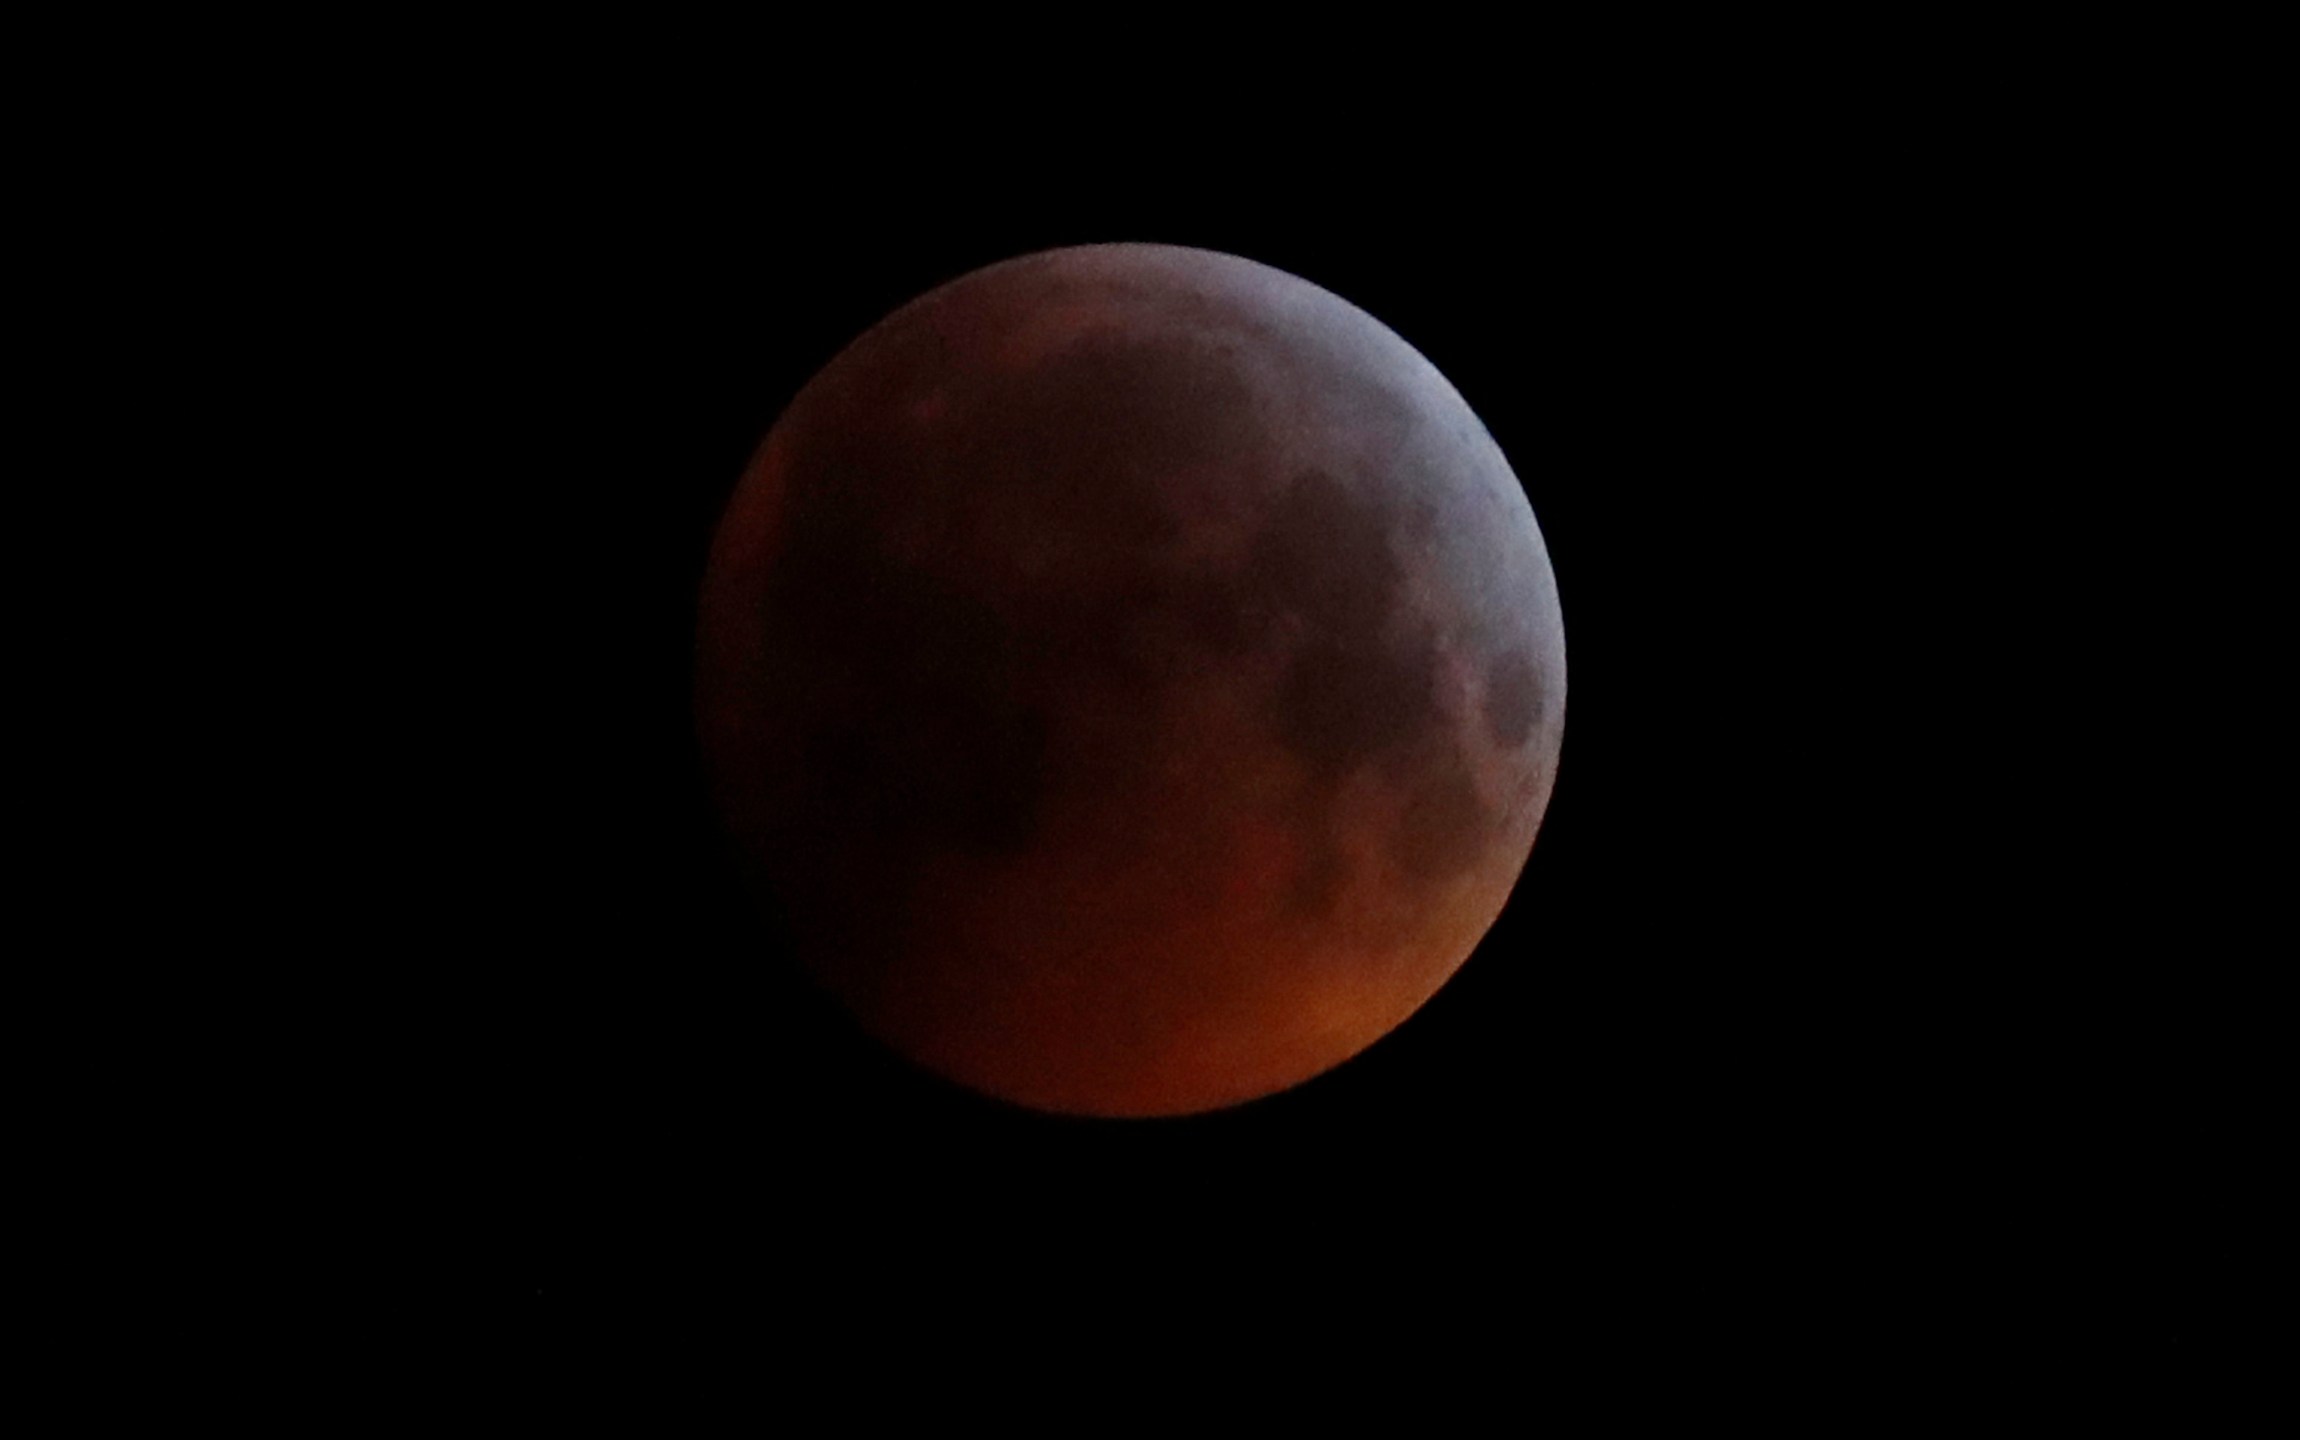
[1134, 676]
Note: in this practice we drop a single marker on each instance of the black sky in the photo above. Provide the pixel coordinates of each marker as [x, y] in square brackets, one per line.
[1745, 1057]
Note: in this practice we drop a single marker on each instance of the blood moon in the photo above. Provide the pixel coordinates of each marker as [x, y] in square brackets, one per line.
[1134, 675]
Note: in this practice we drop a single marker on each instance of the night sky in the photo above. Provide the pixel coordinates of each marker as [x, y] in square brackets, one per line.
[1743, 1058]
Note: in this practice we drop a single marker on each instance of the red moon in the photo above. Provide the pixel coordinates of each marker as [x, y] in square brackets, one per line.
[1136, 677]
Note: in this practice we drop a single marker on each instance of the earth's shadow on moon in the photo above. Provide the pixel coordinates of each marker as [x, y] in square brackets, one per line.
[1036, 552]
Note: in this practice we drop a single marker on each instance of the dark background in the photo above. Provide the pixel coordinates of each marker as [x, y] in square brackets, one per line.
[1624, 1072]
[1771, 1051]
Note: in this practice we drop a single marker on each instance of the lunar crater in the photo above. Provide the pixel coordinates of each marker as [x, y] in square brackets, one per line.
[1513, 700]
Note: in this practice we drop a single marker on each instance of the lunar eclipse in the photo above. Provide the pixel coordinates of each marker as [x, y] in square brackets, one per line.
[1135, 675]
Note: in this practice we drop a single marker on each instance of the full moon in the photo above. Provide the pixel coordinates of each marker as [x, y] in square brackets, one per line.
[1134, 677]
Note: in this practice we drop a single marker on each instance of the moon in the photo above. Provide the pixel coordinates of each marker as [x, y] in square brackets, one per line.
[1133, 676]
